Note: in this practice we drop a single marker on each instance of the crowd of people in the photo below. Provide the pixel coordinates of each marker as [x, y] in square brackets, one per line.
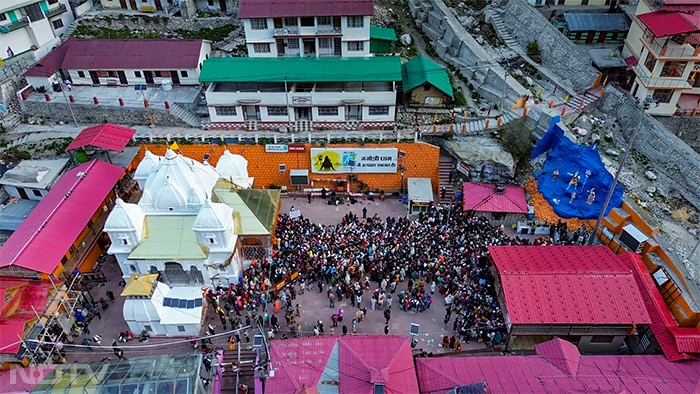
[441, 257]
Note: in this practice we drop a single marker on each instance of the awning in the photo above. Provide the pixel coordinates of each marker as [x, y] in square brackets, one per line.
[664, 24]
[631, 62]
[106, 136]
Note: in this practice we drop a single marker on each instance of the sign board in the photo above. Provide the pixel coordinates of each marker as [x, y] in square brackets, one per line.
[294, 214]
[301, 100]
[296, 147]
[354, 160]
[276, 148]
[415, 329]
[140, 87]
[463, 168]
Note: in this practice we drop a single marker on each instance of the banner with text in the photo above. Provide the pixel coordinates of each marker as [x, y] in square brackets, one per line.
[353, 160]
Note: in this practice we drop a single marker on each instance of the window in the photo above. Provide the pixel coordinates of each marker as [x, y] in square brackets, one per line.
[137, 74]
[34, 12]
[277, 111]
[3, 17]
[57, 24]
[307, 21]
[124, 241]
[225, 111]
[327, 111]
[183, 74]
[602, 339]
[36, 192]
[132, 267]
[292, 43]
[210, 3]
[673, 69]
[181, 328]
[356, 46]
[356, 21]
[81, 74]
[212, 240]
[261, 48]
[379, 110]
[324, 20]
[663, 95]
[53, 1]
[324, 43]
[292, 22]
[258, 24]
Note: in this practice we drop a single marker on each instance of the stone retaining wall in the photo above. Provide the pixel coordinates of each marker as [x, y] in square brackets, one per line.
[558, 53]
[687, 128]
[90, 114]
[670, 156]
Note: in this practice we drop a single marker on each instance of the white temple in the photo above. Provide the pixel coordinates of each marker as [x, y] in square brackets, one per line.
[178, 232]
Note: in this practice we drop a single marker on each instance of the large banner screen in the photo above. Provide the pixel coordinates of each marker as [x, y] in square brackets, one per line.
[354, 160]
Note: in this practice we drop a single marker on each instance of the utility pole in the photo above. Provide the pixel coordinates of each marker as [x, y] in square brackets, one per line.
[647, 103]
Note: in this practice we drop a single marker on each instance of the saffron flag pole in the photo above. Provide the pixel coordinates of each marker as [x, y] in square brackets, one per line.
[174, 146]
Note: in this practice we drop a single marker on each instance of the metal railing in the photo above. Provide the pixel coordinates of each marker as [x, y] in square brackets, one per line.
[56, 10]
[659, 82]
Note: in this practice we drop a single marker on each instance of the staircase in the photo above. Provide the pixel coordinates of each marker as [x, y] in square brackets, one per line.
[303, 125]
[446, 164]
[69, 30]
[245, 369]
[185, 115]
[476, 125]
[580, 102]
[502, 30]
[10, 121]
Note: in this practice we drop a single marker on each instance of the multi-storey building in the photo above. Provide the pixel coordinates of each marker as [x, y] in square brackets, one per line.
[306, 28]
[663, 49]
[31, 25]
[141, 5]
[310, 66]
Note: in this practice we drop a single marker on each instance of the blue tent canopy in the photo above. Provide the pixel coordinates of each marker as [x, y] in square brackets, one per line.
[582, 183]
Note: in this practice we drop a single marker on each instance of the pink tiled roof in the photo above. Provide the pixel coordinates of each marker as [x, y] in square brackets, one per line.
[664, 23]
[106, 136]
[298, 8]
[482, 197]
[540, 374]
[564, 355]
[32, 297]
[52, 227]
[582, 285]
[362, 365]
[662, 324]
[354, 361]
[105, 54]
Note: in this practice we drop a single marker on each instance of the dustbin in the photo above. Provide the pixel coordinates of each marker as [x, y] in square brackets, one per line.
[404, 199]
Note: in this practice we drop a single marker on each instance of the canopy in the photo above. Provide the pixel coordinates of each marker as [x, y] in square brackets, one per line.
[106, 136]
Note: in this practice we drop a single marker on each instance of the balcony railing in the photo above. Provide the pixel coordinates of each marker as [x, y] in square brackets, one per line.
[295, 31]
[659, 82]
[56, 10]
[21, 23]
[671, 50]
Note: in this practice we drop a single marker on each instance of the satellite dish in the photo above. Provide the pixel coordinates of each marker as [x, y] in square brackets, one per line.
[4, 29]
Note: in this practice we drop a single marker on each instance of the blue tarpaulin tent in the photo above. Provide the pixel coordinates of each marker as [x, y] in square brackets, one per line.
[580, 171]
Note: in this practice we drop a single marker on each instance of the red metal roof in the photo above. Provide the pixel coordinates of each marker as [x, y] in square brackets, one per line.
[582, 285]
[664, 23]
[663, 326]
[104, 54]
[351, 363]
[482, 197]
[106, 136]
[30, 297]
[540, 374]
[298, 8]
[52, 227]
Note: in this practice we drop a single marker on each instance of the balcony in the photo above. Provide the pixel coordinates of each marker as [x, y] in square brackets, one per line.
[56, 10]
[650, 81]
[21, 23]
[671, 49]
[293, 31]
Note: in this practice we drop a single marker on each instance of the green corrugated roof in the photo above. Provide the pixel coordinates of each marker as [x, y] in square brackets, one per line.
[382, 33]
[256, 209]
[420, 70]
[169, 238]
[301, 69]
